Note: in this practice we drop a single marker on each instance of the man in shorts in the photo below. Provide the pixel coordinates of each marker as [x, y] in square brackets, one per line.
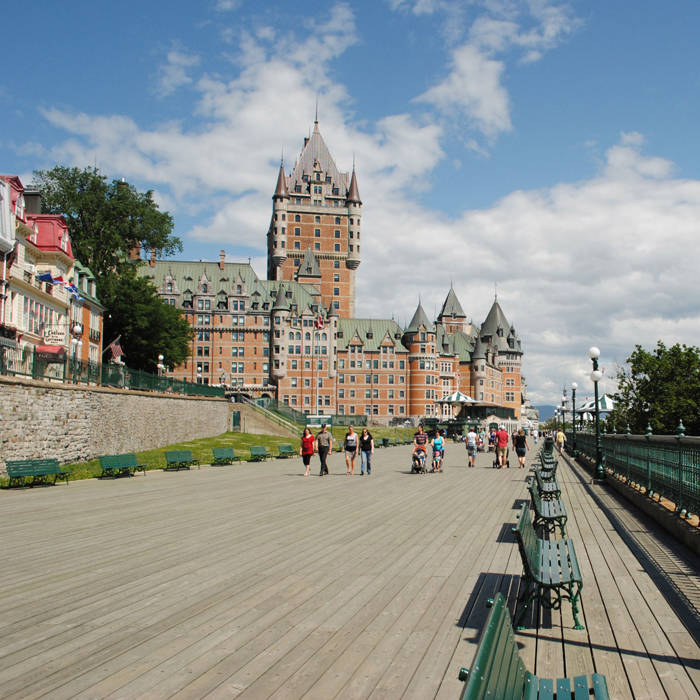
[502, 438]
[472, 447]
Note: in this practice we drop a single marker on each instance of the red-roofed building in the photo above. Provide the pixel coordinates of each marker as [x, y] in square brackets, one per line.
[40, 312]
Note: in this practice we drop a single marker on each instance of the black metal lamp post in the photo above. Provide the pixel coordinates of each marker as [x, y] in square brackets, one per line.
[596, 376]
[574, 386]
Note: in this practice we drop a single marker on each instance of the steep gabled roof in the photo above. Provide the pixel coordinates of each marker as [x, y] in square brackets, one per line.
[309, 266]
[420, 318]
[452, 307]
[316, 151]
[494, 320]
[371, 331]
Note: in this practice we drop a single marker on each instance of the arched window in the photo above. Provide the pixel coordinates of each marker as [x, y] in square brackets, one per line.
[169, 287]
[204, 288]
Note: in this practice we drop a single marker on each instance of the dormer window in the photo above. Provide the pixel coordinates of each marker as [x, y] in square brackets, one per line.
[205, 288]
[64, 241]
[35, 231]
[169, 287]
[19, 207]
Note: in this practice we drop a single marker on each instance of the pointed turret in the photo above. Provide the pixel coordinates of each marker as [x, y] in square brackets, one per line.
[281, 188]
[353, 191]
[281, 301]
[452, 308]
[420, 318]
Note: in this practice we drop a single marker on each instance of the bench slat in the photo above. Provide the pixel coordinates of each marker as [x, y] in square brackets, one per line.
[498, 670]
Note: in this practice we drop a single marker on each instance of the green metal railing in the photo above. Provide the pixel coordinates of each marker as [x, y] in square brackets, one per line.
[26, 362]
[664, 465]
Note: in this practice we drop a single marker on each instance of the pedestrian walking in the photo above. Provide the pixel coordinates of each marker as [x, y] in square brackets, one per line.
[521, 447]
[306, 449]
[471, 447]
[350, 445]
[561, 439]
[502, 447]
[366, 451]
[324, 444]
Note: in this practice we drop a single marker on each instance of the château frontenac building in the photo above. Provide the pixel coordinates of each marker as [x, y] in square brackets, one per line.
[294, 336]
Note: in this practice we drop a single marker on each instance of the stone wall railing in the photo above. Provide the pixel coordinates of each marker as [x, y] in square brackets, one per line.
[74, 423]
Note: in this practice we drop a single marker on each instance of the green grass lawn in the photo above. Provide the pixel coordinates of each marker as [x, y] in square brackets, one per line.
[201, 449]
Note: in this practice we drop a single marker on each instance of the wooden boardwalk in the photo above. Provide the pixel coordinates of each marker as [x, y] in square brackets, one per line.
[251, 581]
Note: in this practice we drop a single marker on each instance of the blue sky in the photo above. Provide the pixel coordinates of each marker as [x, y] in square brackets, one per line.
[548, 146]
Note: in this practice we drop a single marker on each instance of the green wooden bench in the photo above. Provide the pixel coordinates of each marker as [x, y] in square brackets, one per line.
[551, 571]
[179, 459]
[120, 465]
[549, 513]
[286, 451]
[39, 471]
[384, 442]
[223, 455]
[258, 453]
[546, 489]
[498, 670]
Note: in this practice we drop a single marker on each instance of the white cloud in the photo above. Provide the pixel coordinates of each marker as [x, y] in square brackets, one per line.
[474, 88]
[227, 5]
[604, 261]
[174, 73]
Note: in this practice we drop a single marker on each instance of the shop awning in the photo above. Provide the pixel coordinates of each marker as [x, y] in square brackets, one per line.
[51, 350]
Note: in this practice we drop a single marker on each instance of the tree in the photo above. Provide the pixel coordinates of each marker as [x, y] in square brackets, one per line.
[661, 388]
[148, 327]
[106, 221]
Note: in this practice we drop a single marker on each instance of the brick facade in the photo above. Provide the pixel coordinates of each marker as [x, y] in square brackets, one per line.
[260, 337]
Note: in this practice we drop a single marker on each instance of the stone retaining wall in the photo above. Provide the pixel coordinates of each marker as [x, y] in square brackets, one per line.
[74, 424]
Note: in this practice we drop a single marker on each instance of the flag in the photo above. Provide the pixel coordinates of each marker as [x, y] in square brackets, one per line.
[116, 347]
[318, 324]
[46, 277]
[74, 291]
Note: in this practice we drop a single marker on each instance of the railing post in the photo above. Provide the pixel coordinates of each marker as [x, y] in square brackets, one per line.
[681, 434]
[648, 435]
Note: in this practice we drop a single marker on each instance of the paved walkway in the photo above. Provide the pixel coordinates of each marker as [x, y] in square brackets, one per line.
[252, 581]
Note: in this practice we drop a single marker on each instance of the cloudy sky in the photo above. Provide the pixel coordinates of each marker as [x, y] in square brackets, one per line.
[549, 148]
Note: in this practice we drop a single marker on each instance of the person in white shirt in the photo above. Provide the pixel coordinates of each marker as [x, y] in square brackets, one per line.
[471, 447]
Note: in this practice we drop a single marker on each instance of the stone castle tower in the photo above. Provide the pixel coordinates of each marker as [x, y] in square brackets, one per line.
[314, 234]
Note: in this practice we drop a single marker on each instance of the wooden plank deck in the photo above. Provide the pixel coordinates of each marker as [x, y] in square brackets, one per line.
[251, 581]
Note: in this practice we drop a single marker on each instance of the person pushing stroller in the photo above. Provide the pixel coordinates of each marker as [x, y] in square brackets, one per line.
[420, 450]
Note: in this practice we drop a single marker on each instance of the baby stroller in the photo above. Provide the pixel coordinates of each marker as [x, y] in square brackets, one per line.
[418, 462]
[507, 459]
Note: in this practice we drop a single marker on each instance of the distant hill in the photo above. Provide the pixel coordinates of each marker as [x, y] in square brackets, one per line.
[546, 412]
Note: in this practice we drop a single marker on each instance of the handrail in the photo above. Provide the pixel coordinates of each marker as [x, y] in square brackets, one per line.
[661, 465]
[270, 414]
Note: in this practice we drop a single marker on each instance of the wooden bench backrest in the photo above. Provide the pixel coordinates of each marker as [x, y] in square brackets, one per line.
[222, 452]
[528, 542]
[27, 467]
[497, 670]
[118, 461]
[286, 447]
[178, 455]
[258, 450]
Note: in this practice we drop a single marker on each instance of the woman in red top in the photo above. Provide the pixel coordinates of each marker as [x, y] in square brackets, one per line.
[306, 449]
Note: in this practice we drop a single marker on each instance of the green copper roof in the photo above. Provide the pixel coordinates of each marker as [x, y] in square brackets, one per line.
[420, 318]
[452, 307]
[309, 266]
[84, 273]
[187, 278]
[372, 333]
